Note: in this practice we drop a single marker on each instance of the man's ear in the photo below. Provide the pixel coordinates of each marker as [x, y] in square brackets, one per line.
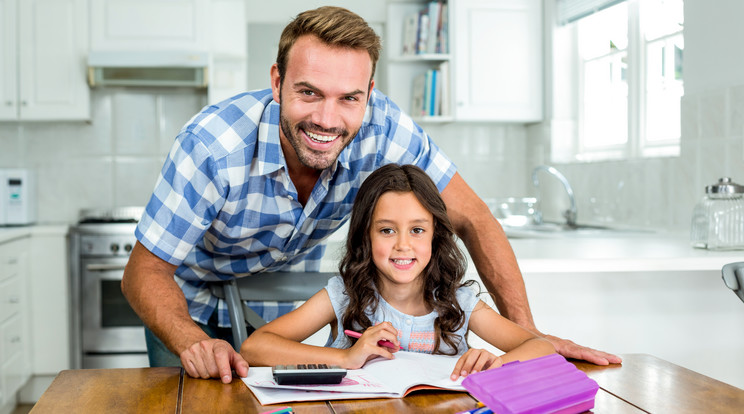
[369, 91]
[276, 83]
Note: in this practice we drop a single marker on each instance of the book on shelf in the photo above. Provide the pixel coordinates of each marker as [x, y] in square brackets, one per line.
[379, 378]
[410, 34]
[418, 95]
[430, 92]
[434, 10]
[425, 32]
[444, 92]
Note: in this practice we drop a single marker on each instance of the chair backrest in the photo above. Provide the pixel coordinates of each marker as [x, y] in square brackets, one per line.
[733, 277]
[276, 286]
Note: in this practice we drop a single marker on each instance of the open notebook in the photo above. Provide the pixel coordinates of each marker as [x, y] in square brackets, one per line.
[379, 378]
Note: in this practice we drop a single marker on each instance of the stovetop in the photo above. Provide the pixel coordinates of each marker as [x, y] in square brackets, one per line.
[110, 215]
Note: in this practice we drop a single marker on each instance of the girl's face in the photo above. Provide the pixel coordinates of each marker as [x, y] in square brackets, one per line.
[401, 234]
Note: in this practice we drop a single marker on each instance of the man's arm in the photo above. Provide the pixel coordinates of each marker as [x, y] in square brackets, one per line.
[150, 289]
[497, 266]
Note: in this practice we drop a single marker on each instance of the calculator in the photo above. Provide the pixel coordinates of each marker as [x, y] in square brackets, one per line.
[308, 374]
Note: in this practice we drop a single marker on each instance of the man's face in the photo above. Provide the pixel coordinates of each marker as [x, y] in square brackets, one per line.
[323, 97]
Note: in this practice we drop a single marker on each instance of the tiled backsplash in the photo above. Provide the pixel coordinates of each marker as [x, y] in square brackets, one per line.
[661, 192]
[111, 161]
[114, 160]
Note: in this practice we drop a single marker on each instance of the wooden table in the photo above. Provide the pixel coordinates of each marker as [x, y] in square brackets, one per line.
[642, 384]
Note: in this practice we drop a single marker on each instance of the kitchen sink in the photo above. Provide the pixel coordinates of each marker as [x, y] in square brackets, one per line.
[555, 230]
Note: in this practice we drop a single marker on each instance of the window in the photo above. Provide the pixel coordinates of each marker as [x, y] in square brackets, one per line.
[625, 62]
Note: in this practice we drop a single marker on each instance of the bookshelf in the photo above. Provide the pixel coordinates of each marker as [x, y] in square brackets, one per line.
[419, 67]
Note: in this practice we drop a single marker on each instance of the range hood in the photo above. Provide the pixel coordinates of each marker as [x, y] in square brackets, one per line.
[148, 68]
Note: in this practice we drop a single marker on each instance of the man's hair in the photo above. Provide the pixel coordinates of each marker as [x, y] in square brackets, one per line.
[442, 275]
[335, 26]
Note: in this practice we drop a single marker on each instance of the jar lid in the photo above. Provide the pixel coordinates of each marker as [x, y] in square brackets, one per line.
[724, 186]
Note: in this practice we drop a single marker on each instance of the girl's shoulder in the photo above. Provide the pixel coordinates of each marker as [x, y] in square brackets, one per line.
[467, 297]
[335, 285]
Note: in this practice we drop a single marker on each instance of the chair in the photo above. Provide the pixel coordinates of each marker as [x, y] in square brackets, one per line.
[276, 286]
[733, 276]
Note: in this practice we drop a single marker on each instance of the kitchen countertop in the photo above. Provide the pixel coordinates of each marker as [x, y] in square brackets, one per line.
[622, 252]
[618, 253]
[668, 251]
[16, 232]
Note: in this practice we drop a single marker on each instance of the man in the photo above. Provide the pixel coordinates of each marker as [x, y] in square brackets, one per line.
[257, 182]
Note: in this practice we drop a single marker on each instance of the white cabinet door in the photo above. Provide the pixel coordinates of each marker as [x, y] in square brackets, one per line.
[498, 60]
[43, 44]
[15, 367]
[53, 47]
[9, 59]
[148, 25]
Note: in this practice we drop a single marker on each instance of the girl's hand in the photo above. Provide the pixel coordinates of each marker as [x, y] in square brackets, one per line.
[367, 348]
[474, 360]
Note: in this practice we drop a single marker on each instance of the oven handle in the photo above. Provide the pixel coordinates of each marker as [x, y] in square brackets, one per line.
[102, 267]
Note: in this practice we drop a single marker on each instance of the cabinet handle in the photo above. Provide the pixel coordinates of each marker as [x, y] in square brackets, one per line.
[14, 299]
[24, 103]
[9, 103]
[16, 339]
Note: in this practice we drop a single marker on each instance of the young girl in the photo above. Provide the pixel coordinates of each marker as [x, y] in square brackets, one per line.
[400, 282]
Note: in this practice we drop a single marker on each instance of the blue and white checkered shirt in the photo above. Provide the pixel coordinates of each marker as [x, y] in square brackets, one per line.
[224, 205]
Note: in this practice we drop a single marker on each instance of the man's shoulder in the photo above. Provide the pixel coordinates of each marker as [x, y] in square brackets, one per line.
[232, 123]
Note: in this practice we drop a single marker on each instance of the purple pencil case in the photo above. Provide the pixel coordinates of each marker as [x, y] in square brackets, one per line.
[548, 384]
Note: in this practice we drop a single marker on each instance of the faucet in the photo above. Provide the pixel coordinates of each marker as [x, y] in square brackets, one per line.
[569, 214]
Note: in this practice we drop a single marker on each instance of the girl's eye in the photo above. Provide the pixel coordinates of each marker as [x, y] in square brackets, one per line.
[387, 231]
[417, 230]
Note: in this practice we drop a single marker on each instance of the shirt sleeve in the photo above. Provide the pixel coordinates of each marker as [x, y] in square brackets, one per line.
[339, 301]
[188, 195]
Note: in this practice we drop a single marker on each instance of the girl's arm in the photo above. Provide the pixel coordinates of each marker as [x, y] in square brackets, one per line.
[519, 343]
[279, 341]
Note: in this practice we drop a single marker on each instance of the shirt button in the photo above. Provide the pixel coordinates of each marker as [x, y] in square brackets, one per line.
[408, 322]
[290, 198]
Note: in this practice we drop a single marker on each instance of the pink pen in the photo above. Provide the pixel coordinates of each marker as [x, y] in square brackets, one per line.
[382, 342]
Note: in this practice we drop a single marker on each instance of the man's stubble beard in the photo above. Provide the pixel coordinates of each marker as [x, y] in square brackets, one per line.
[317, 160]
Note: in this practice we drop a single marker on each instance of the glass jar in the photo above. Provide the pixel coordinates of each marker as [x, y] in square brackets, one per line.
[718, 219]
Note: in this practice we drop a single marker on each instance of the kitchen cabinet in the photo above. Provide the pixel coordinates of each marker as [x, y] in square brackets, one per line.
[216, 27]
[43, 44]
[407, 70]
[229, 49]
[15, 367]
[146, 25]
[498, 60]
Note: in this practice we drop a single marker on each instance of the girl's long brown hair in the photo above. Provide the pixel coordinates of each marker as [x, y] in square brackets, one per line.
[443, 274]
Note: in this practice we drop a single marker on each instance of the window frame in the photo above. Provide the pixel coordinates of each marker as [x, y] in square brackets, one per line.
[638, 145]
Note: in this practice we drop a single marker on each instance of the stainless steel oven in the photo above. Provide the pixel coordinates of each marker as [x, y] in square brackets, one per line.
[108, 333]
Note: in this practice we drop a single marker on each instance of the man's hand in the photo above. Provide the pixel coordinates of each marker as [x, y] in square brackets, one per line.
[213, 358]
[570, 349]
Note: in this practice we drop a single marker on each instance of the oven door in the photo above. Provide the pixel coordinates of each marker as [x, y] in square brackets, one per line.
[109, 324]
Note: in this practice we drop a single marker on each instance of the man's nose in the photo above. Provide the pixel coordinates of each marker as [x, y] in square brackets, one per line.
[326, 114]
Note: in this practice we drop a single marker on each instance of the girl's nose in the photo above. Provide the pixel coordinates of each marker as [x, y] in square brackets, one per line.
[402, 242]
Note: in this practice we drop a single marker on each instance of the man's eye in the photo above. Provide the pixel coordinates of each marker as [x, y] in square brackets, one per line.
[308, 93]
[351, 98]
